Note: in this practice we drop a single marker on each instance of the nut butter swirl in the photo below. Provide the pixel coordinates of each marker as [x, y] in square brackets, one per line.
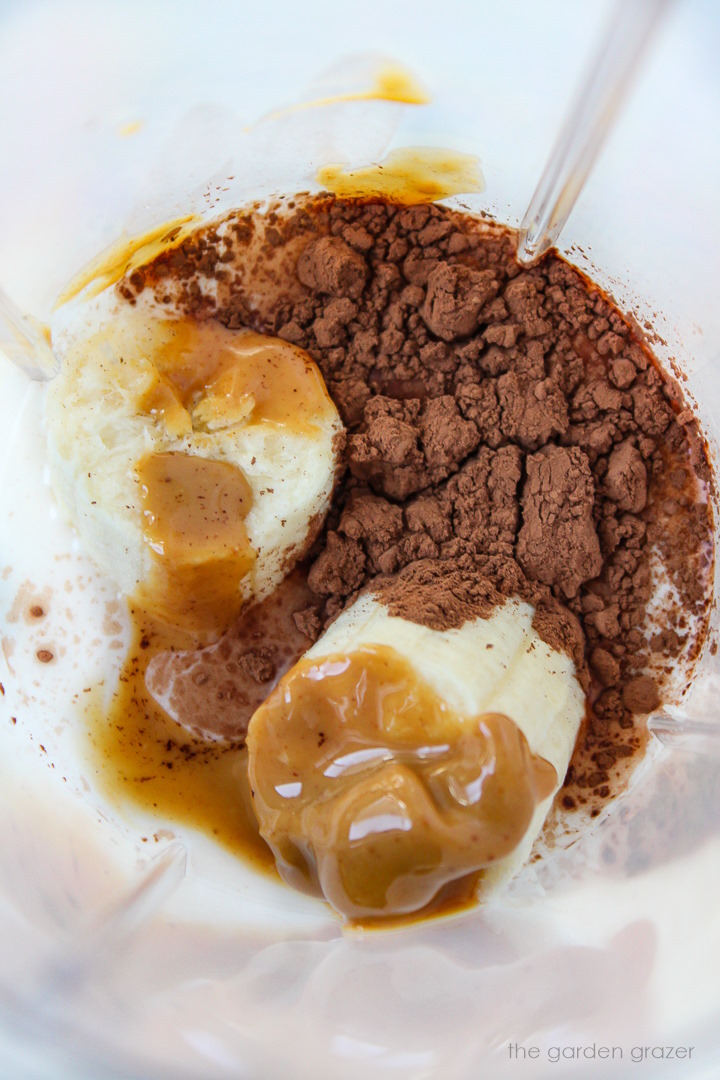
[371, 791]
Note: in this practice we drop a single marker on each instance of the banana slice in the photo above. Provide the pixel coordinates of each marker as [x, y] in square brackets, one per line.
[395, 758]
[196, 462]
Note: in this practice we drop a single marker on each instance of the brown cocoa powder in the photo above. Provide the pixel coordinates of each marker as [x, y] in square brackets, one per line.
[509, 433]
[557, 543]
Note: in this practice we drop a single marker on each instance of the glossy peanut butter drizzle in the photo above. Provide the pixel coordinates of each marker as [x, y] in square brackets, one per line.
[211, 379]
[208, 383]
[194, 522]
[126, 255]
[408, 175]
[391, 82]
[373, 792]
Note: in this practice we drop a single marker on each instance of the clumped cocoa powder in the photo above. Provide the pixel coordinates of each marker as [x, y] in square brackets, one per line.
[558, 543]
[509, 434]
[443, 594]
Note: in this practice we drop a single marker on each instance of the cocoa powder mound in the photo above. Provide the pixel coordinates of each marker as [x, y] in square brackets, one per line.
[329, 266]
[557, 543]
[434, 594]
[626, 478]
[443, 594]
[508, 433]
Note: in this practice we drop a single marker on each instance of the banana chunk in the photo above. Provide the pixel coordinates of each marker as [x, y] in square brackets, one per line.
[197, 463]
[396, 758]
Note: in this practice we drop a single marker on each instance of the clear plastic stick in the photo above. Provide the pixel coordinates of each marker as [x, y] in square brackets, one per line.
[695, 734]
[587, 125]
[24, 341]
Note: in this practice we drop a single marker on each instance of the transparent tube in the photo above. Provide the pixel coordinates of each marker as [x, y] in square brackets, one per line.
[587, 125]
[24, 341]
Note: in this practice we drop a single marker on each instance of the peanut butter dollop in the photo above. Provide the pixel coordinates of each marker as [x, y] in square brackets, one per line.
[371, 791]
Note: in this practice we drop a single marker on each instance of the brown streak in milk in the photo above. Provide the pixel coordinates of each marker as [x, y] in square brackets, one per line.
[213, 692]
[145, 758]
[127, 254]
[392, 83]
[408, 176]
[185, 763]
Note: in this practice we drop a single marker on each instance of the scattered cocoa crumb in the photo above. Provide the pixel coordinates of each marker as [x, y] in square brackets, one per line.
[455, 296]
[605, 666]
[626, 478]
[329, 265]
[308, 622]
[258, 664]
[640, 695]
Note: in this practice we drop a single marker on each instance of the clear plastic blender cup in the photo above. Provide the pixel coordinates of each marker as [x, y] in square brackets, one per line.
[152, 955]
